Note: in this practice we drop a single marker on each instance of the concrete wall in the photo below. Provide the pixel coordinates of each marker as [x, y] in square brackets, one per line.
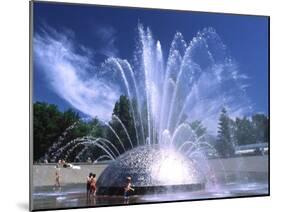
[247, 169]
[241, 164]
[45, 174]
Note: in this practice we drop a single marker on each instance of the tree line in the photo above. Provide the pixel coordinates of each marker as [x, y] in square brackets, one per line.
[240, 131]
[51, 126]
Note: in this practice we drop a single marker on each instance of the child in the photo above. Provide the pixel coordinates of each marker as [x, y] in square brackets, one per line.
[128, 187]
[57, 178]
[89, 179]
[93, 187]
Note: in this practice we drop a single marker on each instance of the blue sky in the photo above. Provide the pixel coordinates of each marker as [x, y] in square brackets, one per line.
[107, 32]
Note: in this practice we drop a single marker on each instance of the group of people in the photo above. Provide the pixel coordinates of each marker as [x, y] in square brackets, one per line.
[92, 187]
[91, 180]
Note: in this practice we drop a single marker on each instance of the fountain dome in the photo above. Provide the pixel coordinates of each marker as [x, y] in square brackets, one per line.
[153, 169]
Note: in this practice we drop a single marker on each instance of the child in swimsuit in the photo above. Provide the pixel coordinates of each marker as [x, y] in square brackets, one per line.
[89, 179]
[93, 187]
[128, 187]
[57, 178]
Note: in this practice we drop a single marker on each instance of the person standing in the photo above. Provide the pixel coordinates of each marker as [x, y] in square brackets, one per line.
[88, 185]
[128, 187]
[57, 178]
[93, 186]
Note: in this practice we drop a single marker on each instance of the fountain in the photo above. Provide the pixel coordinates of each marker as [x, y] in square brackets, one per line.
[171, 155]
[153, 170]
[197, 80]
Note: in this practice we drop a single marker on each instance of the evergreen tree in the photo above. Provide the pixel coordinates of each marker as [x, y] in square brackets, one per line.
[244, 133]
[225, 145]
[123, 112]
[260, 128]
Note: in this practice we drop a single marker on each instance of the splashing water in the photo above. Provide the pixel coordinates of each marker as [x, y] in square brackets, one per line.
[193, 83]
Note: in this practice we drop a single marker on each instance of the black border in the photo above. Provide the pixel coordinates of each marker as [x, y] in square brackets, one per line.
[30, 105]
[268, 105]
[31, 2]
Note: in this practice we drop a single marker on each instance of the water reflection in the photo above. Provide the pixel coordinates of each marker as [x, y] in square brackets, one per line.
[75, 195]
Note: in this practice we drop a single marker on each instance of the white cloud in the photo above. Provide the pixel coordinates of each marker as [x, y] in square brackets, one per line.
[68, 74]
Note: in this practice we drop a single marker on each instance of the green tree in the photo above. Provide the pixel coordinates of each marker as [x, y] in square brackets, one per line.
[48, 124]
[123, 112]
[49, 127]
[225, 145]
[244, 133]
[84, 128]
[260, 128]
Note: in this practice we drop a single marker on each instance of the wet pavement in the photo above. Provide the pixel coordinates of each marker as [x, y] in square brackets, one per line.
[74, 195]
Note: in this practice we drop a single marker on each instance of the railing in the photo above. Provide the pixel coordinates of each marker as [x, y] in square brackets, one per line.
[252, 146]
